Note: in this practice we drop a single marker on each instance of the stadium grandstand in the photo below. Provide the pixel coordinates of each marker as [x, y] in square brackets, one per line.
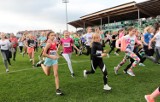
[33, 32]
[135, 14]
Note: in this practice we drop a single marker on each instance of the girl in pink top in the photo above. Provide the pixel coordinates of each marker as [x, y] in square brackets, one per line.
[121, 33]
[67, 44]
[127, 45]
[14, 43]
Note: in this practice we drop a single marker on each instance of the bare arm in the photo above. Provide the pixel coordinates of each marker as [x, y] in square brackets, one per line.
[150, 42]
[76, 47]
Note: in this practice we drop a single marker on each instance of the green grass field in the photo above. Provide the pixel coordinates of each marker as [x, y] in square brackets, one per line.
[26, 84]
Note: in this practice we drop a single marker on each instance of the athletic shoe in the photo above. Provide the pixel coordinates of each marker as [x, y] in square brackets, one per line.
[116, 53]
[84, 73]
[148, 99]
[39, 63]
[43, 58]
[130, 73]
[72, 75]
[59, 92]
[106, 87]
[158, 63]
[108, 56]
[115, 70]
[125, 72]
[7, 70]
[30, 60]
[141, 64]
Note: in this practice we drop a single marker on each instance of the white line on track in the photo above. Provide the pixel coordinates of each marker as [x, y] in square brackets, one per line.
[38, 68]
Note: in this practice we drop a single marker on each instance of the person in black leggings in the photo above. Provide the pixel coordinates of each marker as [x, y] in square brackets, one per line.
[96, 60]
[113, 44]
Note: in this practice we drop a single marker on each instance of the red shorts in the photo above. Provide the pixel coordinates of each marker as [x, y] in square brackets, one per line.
[30, 50]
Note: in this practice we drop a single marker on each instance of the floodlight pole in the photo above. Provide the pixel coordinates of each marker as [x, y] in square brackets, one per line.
[66, 1]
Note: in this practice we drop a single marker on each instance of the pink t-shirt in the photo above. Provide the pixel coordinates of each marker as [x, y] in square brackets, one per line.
[14, 42]
[67, 45]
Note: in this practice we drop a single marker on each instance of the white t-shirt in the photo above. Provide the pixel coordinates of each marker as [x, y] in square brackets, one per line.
[20, 43]
[5, 45]
[88, 38]
[157, 39]
[130, 42]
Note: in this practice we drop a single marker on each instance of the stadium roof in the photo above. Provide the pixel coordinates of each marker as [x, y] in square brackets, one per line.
[128, 11]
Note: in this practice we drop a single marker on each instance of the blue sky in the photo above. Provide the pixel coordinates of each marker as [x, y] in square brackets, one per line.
[18, 15]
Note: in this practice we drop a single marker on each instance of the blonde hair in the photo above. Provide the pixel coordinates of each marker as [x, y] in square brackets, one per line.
[94, 36]
[148, 29]
[97, 30]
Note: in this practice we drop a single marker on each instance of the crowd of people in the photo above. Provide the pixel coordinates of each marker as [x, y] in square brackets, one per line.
[137, 47]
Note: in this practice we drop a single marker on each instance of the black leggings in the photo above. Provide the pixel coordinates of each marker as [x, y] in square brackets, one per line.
[108, 41]
[112, 48]
[21, 49]
[94, 65]
[148, 52]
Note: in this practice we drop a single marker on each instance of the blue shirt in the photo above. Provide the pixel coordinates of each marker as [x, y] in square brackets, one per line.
[83, 39]
[42, 39]
[147, 37]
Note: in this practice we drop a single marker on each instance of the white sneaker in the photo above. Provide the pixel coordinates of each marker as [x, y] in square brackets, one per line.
[141, 64]
[108, 56]
[84, 73]
[30, 60]
[115, 70]
[106, 87]
[130, 73]
[43, 58]
[7, 70]
[116, 53]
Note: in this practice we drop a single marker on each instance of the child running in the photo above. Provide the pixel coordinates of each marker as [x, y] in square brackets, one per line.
[96, 60]
[5, 46]
[156, 38]
[76, 43]
[24, 40]
[127, 45]
[67, 44]
[14, 42]
[42, 44]
[51, 60]
[30, 48]
[88, 38]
